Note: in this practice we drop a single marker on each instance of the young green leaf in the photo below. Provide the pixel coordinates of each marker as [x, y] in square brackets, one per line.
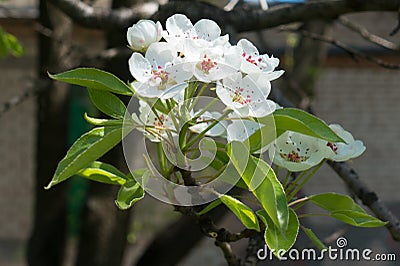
[316, 241]
[243, 212]
[331, 201]
[210, 207]
[129, 193]
[9, 44]
[108, 103]
[104, 173]
[95, 79]
[356, 218]
[263, 183]
[300, 121]
[106, 122]
[132, 191]
[88, 148]
[276, 239]
[343, 208]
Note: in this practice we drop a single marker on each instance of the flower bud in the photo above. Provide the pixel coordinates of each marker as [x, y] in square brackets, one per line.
[143, 33]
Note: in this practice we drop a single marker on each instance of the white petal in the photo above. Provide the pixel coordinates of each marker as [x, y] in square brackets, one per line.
[268, 64]
[139, 67]
[240, 130]
[264, 108]
[232, 56]
[262, 83]
[160, 54]
[359, 148]
[180, 72]
[172, 91]
[207, 29]
[179, 26]
[144, 90]
[221, 41]
[248, 48]
[274, 75]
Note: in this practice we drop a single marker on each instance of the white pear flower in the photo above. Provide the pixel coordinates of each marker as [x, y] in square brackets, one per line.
[212, 63]
[144, 33]
[206, 119]
[153, 127]
[206, 32]
[243, 96]
[297, 152]
[262, 67]
[161, 73]
[344, 151]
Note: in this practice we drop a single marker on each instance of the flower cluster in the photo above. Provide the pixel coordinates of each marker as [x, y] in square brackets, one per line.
[175, 65]
[199, 53]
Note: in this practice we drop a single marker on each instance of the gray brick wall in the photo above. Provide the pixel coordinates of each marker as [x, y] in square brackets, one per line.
[366, 102]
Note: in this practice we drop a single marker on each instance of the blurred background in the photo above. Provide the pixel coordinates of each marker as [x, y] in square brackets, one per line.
[77, 222]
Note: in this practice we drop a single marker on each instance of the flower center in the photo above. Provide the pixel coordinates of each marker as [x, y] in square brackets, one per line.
[207, 64]
[160, 77]
[160, 122]
[293, 157]
[238, 97]
[332, 146]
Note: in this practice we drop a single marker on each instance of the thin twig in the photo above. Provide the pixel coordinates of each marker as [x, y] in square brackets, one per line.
[32, 91]
[367, 35]
[397, 28]
[241, 20]
[355, 54]
[231, 259]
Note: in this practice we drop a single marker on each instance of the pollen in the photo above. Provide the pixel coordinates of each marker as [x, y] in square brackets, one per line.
[207, 64]
[293, 156]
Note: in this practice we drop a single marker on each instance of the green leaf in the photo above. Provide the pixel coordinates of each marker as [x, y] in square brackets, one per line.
[88, 148]
[104, 173]
[9, 44]
[14, 45]
[131, 192]
[263, 136]
[243, 212]
[316, 241]
[95, 79]
[262, 181]
[355, 218]
[300, 121]
[277, 240]
[108, 103]
[331, 201]
[210, 207]
[106, 122]
[343, 208]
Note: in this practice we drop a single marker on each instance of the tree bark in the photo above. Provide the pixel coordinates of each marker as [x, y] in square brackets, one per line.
[47, 242]
[104, 228]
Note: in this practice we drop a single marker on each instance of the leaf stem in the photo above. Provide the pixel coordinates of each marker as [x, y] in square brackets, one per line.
[286, 177]
[310, 174]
